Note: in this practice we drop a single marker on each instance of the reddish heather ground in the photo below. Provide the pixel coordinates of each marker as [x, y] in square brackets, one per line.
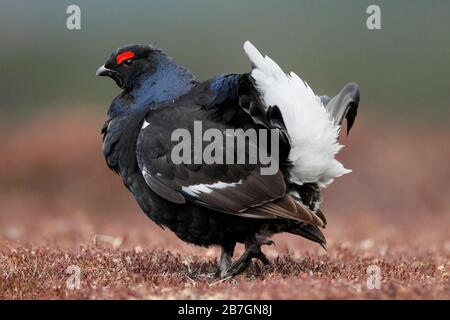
[60, 207]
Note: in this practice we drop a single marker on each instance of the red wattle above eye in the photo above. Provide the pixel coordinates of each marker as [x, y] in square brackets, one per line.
[124, 56]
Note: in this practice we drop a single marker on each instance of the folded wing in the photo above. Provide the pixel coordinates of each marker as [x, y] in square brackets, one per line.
[238, 189]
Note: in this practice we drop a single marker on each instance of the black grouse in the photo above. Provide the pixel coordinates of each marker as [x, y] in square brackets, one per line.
[224, 202]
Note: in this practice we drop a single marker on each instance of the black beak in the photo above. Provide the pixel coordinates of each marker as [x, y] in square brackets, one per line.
[104, 72]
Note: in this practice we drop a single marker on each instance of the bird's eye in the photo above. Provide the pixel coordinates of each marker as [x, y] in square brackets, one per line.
[128, 62]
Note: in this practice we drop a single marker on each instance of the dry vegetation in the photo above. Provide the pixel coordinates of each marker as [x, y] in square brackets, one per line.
[60, 206]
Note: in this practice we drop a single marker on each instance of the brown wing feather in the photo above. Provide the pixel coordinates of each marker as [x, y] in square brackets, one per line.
[288, 208]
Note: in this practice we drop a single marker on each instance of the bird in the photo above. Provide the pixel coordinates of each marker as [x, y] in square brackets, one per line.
[224, 204]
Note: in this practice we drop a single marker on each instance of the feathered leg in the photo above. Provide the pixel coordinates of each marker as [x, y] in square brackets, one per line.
[225, 260]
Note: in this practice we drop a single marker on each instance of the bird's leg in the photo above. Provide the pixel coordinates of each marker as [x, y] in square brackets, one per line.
[225, 260]
[252, 250]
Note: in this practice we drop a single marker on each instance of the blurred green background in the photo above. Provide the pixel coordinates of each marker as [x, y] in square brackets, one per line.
[403, 69]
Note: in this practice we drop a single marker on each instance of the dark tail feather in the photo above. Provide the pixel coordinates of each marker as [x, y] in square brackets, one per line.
[344, 105]
[309, 232]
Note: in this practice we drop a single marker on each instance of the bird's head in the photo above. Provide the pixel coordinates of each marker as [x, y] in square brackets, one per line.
[128, 64]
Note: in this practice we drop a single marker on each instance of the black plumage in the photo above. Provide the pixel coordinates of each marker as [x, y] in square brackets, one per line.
[205, 204]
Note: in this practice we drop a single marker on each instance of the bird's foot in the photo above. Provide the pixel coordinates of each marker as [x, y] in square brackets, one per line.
[267, 242]
[225, 260]
[220, 273]
[252, 251]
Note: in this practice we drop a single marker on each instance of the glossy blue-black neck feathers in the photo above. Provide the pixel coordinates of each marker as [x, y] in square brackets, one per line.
[168, 82]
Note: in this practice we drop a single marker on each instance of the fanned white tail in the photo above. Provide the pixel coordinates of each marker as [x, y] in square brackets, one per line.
[314, 135]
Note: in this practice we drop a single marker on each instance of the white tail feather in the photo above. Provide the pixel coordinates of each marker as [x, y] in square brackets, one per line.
[313, 134]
